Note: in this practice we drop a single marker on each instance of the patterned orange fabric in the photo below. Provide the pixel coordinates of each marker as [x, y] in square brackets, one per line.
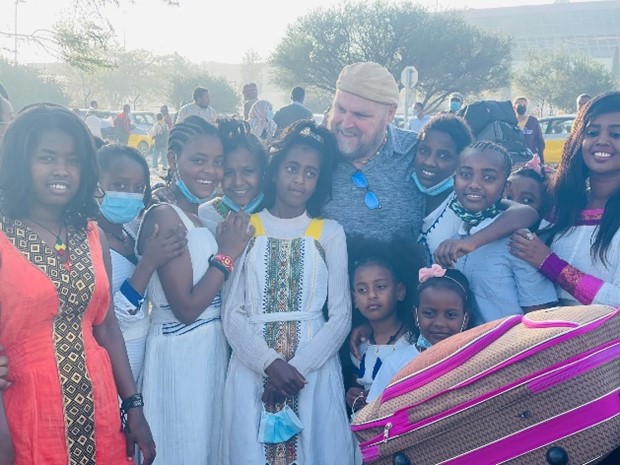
[62, 407]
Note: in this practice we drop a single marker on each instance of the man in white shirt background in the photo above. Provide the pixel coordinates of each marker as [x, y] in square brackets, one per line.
[418, 119]
[200, 107]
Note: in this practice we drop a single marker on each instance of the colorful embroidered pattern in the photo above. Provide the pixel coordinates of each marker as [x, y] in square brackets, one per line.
[222, 209]
[75, 289]
[283, 293]
[591, 217]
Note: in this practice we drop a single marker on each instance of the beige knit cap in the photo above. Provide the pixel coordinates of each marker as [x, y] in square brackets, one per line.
[370, 81]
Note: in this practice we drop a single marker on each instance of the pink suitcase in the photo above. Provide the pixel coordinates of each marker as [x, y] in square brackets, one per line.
[534, 389]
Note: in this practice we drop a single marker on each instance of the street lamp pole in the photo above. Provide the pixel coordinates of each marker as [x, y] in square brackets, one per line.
[15, 32]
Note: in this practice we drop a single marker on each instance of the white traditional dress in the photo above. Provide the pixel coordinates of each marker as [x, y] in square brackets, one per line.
[134, 323]
[185, 367]
[273, 309]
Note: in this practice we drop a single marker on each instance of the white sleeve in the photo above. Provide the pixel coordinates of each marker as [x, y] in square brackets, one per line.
[328, 340]
[248, 345]
[392, 365]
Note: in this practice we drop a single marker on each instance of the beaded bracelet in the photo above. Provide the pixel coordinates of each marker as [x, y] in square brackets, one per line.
[222, 263]
[133, 401]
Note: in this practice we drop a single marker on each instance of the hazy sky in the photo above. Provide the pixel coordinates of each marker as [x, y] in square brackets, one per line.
[201, 30]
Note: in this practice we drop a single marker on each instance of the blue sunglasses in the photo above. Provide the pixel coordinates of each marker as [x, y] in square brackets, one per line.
[370, 199]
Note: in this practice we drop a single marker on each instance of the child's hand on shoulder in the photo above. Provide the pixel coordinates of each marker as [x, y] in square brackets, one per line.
[161, 247]
[450, 250]
[233, 234]
[359, 334]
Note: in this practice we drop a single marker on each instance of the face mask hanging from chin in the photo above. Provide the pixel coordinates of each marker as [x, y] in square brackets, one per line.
[191, 198]
[278, 427]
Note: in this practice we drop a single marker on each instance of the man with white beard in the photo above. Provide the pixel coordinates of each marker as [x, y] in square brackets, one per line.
[373, 193]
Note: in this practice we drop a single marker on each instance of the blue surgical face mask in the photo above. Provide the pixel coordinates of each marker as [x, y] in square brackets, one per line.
[278, 427]
[121, 207]
[191, 198]
[423, 343]
[455, 106]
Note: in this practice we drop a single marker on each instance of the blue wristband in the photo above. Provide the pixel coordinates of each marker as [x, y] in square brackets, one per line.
[131, 294]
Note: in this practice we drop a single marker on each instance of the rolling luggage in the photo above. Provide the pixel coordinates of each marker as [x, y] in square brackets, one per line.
[534, 389]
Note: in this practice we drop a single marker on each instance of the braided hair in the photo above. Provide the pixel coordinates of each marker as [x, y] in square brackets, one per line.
[183, 132]
[487, 145]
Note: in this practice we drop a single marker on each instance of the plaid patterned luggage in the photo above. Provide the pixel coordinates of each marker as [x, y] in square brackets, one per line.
[534, 389]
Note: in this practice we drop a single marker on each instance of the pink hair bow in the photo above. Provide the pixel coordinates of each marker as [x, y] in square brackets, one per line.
[434, 271]
[534, 165]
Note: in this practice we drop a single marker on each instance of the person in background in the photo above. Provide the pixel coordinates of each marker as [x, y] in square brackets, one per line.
[122, 125]
[418, 119]
[531, 128]
[160, 133]
[93, 122]
[94, 105]
[456, 102]
[295, 111]
[201, 107]
[167, 118]
[250, 97]
[581, 248]
[6, 115]
[261, 120]
[582, 99]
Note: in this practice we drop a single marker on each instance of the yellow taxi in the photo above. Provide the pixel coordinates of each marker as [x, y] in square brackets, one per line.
[555, 130]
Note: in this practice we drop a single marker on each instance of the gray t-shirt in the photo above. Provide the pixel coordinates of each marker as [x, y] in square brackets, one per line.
[389, 177]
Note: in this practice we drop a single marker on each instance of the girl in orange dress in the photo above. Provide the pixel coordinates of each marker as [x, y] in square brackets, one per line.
[68, 360]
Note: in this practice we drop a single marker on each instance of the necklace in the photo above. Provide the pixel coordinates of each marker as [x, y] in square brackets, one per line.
[375, 155]
[60, 247]
[392, 338]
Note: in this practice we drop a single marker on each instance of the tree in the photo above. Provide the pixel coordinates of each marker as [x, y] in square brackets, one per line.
[25, 85]
[224, 98]
[82, 41]
[449, 54]
[252, 68]
[557, 78]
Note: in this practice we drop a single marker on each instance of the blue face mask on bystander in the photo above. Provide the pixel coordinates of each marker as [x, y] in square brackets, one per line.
[121, 207]
[278, 427]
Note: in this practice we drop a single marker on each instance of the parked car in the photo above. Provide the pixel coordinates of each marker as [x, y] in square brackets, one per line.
[555, 130]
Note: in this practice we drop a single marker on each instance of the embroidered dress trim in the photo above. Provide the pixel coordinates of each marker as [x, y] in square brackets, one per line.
[283, 293]
[591, 217]
[580, 285]
[75, 288]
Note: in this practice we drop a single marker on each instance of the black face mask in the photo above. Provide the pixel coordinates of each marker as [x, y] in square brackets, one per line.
[521, 109]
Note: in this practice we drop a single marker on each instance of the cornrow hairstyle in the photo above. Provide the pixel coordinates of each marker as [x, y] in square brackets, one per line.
[236, 134]
[485, 145]
[20, 141]
[457, 282]
[402, 257]
[304, 133]
[181, 133]
[108, 154]
[570, 185]
[452, 125]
